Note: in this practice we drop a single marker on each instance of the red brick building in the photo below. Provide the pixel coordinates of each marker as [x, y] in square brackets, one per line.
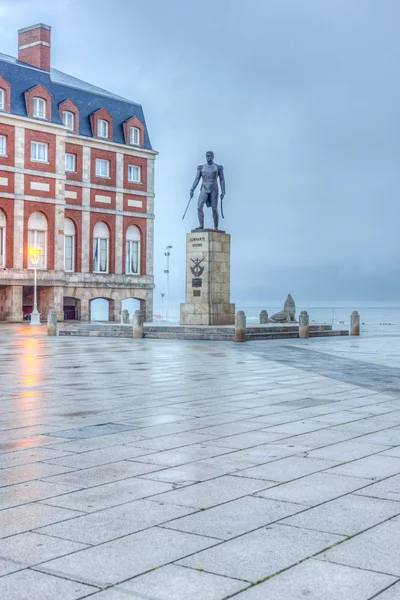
[76, 182]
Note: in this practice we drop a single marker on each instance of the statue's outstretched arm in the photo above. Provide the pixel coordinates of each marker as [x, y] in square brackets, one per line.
[221, 179]
[196, 181]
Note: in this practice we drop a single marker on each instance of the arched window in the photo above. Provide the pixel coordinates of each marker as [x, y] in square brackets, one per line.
[37, 238]
[39, 108]
[101, 237]
[132, 262]
[69, 245]
[2, 239]
[2, 99]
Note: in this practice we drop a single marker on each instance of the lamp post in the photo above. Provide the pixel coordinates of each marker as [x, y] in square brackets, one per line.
[34, 255]
[167, 254]
[162, 305]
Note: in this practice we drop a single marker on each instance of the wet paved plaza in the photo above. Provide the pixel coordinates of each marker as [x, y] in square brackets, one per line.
[172, 470]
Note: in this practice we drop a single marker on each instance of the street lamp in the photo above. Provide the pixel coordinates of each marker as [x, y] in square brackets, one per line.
[34, 255]
[167, 254]
[162, 305]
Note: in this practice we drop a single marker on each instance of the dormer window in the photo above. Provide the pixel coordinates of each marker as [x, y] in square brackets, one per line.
[68, 119]
[102, 128]
[39, 108]
[2, 99]
[135, 136]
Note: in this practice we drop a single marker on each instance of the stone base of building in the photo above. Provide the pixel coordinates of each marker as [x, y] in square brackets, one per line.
[208, 269]
[207, 314]
[70, 302]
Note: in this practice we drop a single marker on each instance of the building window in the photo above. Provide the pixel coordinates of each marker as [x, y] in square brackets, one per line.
[37, 238]
[39, 151]
[39, 108]
[2, 239]
[102, 128]
[69, 119]
[3, 145]
[101, 237]
[135, 136]
[2, 99]
[134, 174]
[69, 245]
[70, 162]
[132, 262]
[102, 168]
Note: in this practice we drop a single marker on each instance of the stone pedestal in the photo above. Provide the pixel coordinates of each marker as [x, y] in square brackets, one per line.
[208, 269]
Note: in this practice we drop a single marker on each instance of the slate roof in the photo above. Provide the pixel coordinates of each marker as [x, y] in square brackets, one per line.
[88, 98]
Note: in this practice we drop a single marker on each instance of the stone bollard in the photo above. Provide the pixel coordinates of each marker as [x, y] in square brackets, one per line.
[52, 322]
[304, 324]
[137, 325]
[240, 327]
[355, 323]
[125, 316]
[263, 317]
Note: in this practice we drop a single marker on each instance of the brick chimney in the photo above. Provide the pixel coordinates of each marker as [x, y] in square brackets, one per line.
[34, 46]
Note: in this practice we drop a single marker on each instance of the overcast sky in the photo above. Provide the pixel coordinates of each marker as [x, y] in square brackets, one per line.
[300, 101]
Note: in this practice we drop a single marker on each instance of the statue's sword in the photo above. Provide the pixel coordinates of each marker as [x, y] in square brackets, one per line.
[184, 214]
[222, 208]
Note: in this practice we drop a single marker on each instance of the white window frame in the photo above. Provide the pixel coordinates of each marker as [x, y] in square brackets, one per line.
[102, 128]
[3, 232]
[2, 99]
[35, 147]
[134, 132]
[73, 253]
[3, 145]
[73, 157]
[68, 115]
[131, 171]
[35, 245]
[39, 108]
[98, 240]
[99, 171]
[128, 253]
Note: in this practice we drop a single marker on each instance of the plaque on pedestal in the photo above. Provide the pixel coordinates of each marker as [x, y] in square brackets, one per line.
[208, 268]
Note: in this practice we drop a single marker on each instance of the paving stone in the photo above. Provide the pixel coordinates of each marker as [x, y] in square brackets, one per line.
[23, 493]
[31, 548]
[346, 451]
[372, 467]
[93, 431]
[314, 580]
[102, 456]
[235, 518]
[388, 489]
[180, 456]
[348, 515]
[24, 518]
[109, 494]
[39, 586]
[8, 566]
[262, 553]
[214, 491]
[377, 549]
[287, 469]
[393, 593]
[181, 583]
[126, 557]
[314, 489]
[94, 476]
[115, 522]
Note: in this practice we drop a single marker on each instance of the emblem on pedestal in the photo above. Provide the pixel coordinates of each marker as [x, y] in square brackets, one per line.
[197, 271]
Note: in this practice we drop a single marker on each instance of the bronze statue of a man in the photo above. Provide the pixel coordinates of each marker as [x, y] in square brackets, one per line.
[209, 174]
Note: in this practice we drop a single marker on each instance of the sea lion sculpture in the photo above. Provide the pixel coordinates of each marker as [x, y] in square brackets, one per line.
[287, 315]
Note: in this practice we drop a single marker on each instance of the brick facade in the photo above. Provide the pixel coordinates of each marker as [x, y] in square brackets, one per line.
[44, 186]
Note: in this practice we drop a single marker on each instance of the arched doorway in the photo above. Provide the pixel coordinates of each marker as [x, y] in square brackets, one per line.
[72, 309]
[99, 309]
[130, 304]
